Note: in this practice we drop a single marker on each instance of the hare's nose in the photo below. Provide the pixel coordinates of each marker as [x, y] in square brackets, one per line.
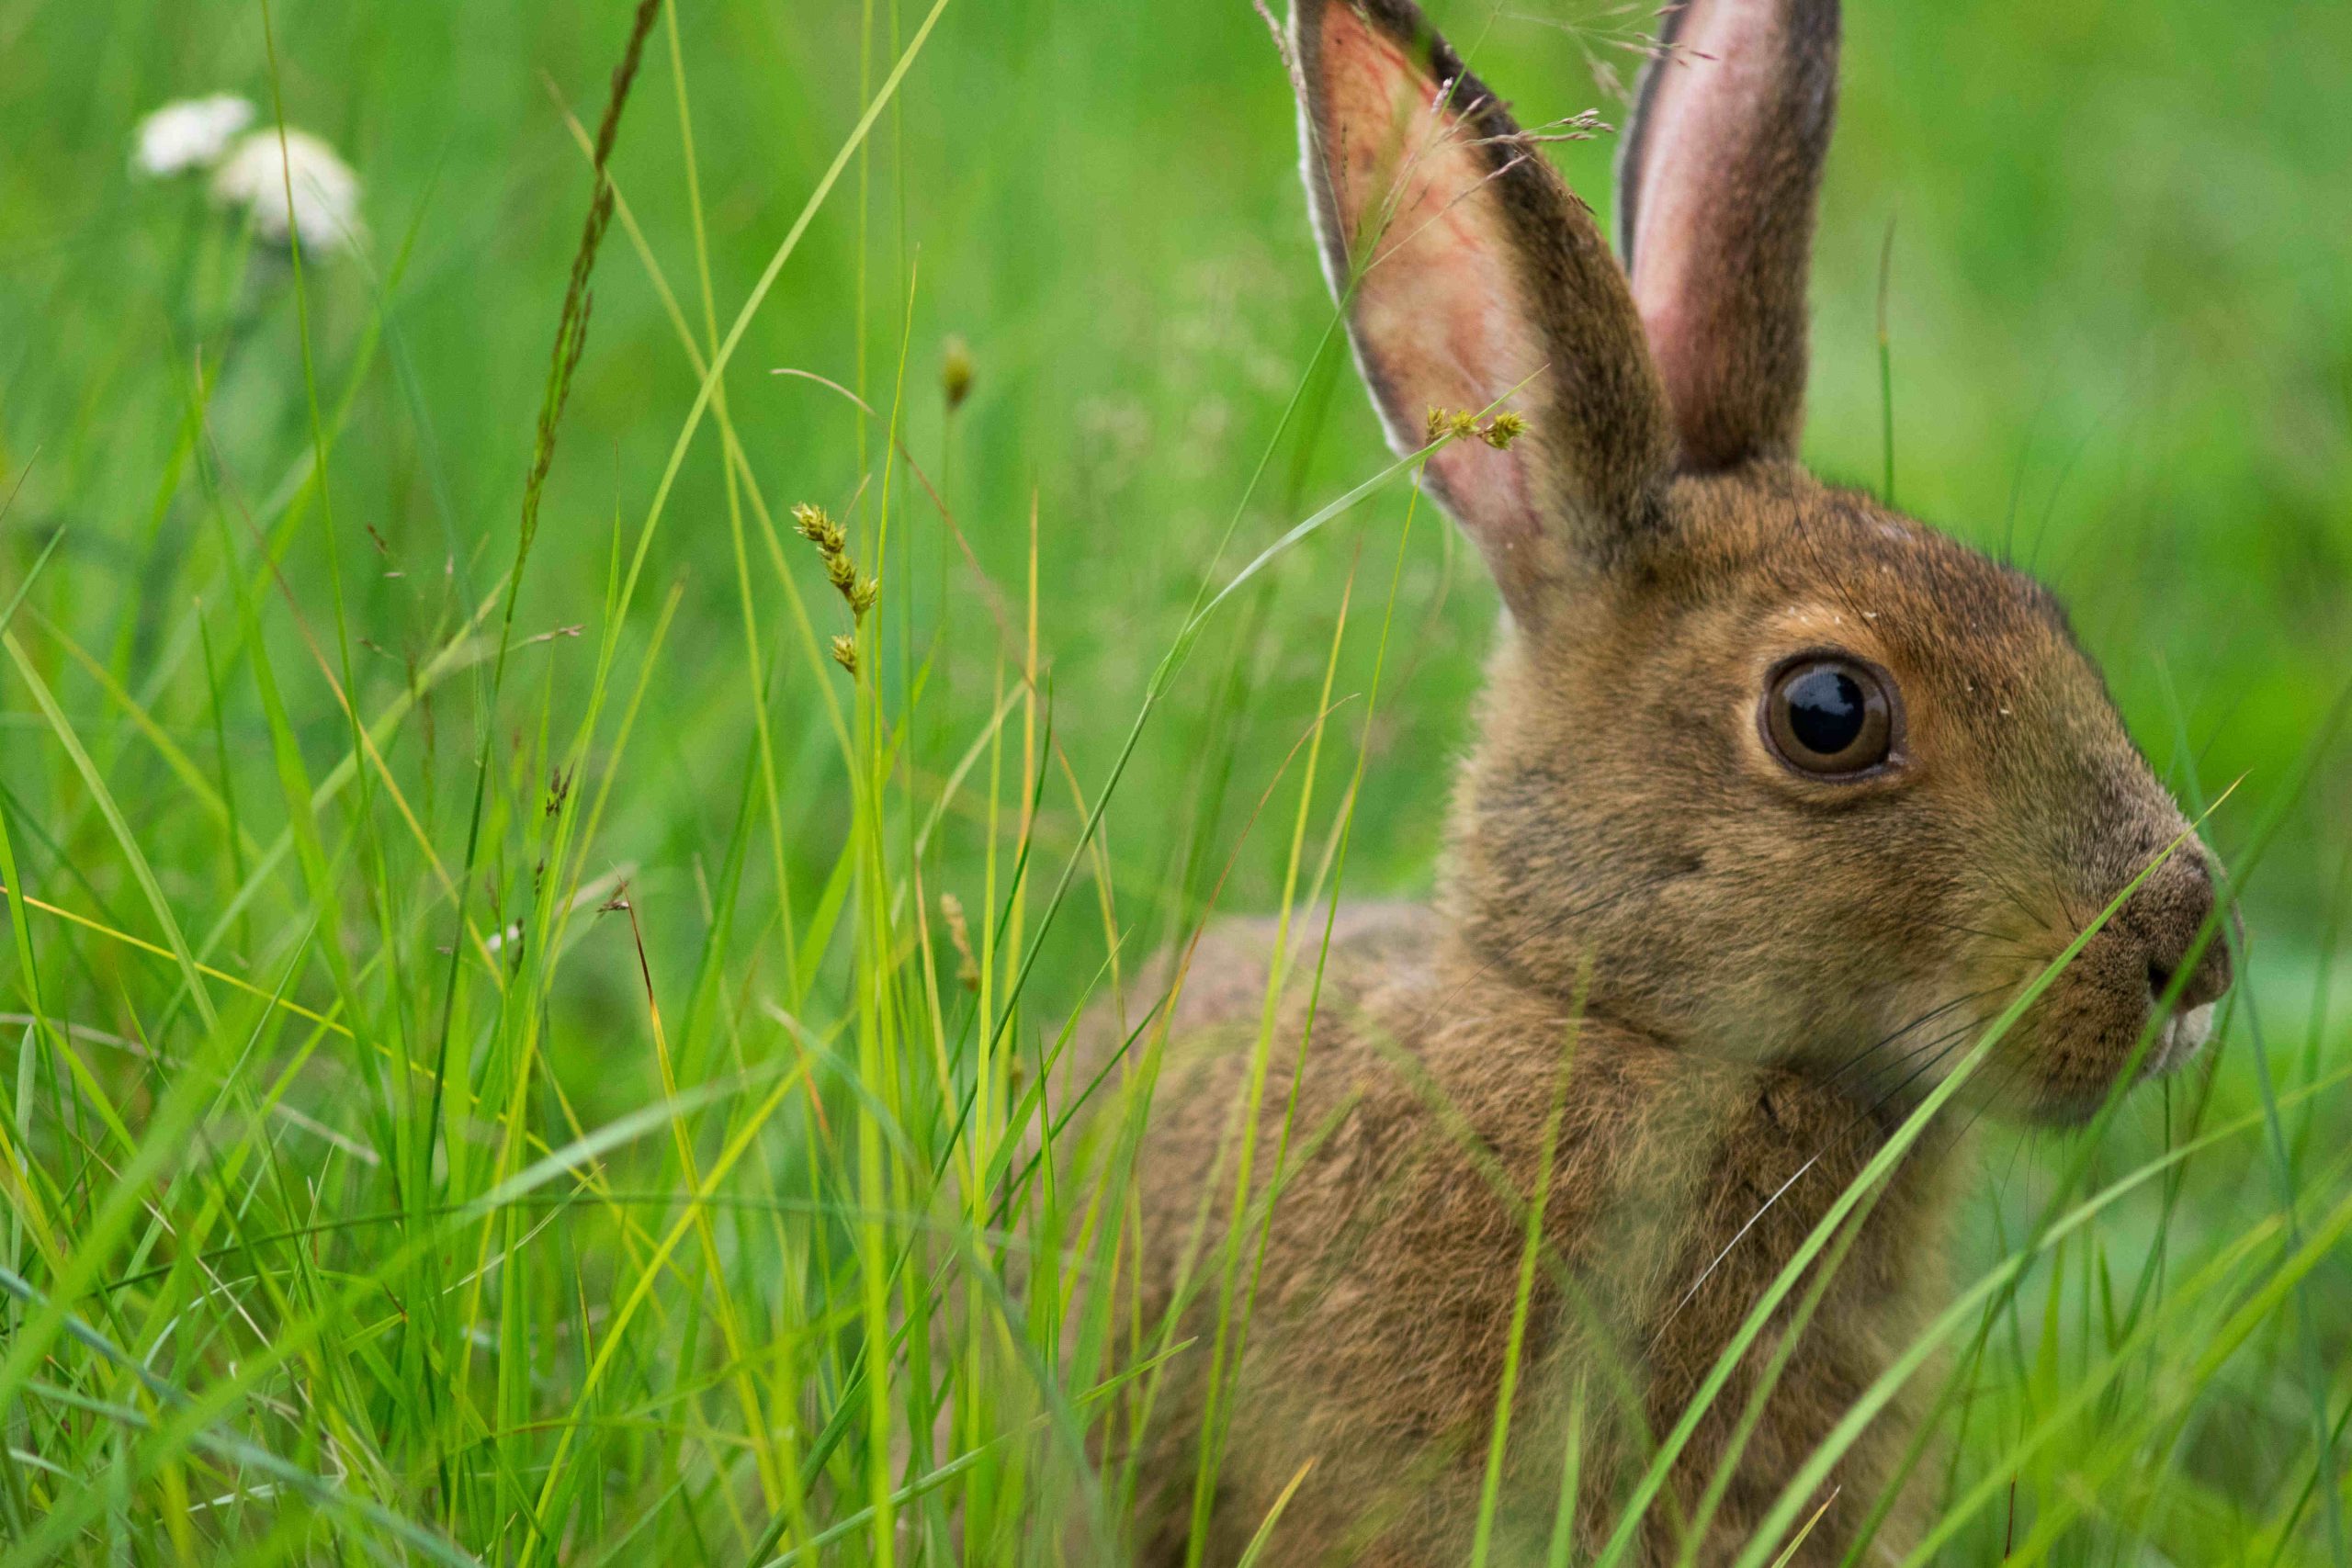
[2185, 907]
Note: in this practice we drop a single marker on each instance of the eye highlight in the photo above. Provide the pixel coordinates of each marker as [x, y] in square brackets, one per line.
[1829, 717]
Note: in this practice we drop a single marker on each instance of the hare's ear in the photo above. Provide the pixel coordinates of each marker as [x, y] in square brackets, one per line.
[1471, 276]
[1717, 181]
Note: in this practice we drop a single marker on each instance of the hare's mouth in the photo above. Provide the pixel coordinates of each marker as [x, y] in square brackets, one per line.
[2183, 1035]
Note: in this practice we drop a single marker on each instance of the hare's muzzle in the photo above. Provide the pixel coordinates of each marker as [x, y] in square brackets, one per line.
[2182, 953]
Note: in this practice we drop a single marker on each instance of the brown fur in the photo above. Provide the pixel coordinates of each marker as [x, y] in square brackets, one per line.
[1731, 978]
[1393, 1259]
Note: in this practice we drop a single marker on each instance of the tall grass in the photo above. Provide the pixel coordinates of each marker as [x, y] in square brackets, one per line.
[524, 1051]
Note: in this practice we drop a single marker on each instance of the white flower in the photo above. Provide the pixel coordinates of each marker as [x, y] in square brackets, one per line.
[189, 134]
[325, 210]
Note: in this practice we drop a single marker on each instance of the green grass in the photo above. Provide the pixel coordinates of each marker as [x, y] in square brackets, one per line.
[490, 1071]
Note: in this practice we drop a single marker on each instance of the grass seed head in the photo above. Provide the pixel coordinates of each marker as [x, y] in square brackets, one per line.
[959, 935]
[1497, 432]
[812, 524]
[955, 372]
[1444, 422]
[833, 548]
[1502, 430]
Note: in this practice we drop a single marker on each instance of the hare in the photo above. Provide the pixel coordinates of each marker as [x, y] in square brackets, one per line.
[1776, 797]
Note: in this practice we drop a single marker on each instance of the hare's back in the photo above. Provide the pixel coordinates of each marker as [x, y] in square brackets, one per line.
[1377, 966]
[1377, 944]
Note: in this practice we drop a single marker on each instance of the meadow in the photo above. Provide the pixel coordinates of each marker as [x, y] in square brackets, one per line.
[512, 1052]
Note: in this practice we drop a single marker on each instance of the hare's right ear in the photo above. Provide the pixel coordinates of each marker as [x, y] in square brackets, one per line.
[1471, 276]
[1717, 180]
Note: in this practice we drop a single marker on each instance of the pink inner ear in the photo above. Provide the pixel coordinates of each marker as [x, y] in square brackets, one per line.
[1438, 314]
[1725, 62]
[1726, 164]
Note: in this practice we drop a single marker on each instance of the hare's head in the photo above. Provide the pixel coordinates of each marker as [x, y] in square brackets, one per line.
[1766, 768]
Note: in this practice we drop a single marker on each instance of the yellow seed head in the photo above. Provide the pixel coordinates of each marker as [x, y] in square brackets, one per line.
[863, 596]
[812, 524]
[1502, 430]
[845, 652]
[842, 571]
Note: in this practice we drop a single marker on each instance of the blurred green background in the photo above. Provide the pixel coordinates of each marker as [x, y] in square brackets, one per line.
[2120, 338]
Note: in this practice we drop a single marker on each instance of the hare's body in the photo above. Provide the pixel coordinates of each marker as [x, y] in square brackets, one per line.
[1777, 799]
[1377, 1349]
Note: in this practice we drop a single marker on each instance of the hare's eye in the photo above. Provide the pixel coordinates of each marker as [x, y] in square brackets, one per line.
[1830, 717]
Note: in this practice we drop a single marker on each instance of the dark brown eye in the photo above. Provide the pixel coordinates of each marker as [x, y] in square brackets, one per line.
[1828, 716]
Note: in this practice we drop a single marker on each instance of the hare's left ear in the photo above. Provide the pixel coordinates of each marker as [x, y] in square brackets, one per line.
[1472, 278]
[1717, 185]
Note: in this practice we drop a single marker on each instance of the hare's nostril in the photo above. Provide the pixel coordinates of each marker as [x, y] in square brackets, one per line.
[2188, 961]
[2204, 982]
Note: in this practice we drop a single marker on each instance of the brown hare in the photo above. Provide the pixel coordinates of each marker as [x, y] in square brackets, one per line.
[1777, 796]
